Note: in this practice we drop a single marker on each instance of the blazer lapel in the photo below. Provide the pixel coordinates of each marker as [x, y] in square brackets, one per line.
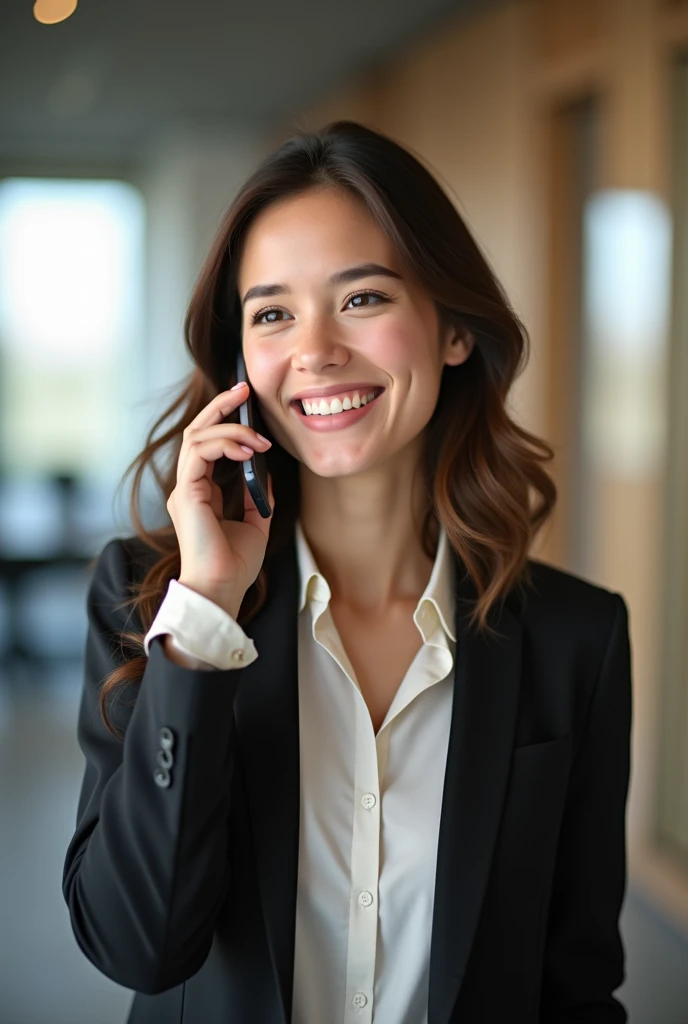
[267, 716]
[484, 714]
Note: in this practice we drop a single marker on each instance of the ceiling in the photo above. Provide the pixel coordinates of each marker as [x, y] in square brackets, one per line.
[119, 72]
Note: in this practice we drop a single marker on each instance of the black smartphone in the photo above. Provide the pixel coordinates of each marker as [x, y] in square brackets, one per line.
[255, 468]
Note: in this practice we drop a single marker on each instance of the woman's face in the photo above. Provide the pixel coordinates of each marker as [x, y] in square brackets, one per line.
[311, 332]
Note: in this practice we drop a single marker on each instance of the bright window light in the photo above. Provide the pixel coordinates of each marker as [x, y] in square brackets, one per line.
[627, 261]
[66, 251]
[71, 323]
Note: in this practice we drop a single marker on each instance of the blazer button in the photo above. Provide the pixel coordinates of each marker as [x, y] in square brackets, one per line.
[166, 738]
[162, 777]
[165, 758]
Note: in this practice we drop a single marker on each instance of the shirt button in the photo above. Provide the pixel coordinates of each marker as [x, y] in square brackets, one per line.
[368, 800]
[238, 654]
[359, 1000]
[365, 898]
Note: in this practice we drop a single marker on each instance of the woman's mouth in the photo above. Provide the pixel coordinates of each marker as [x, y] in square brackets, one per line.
[337, 420]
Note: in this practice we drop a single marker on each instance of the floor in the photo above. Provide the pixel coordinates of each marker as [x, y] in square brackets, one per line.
[44, 977]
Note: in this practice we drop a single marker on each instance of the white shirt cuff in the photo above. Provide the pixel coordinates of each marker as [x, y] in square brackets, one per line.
[201, 629]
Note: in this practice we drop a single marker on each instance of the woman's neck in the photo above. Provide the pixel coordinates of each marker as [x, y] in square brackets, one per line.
[372, 562]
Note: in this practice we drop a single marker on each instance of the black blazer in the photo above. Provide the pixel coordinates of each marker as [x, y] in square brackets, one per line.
[181, 875]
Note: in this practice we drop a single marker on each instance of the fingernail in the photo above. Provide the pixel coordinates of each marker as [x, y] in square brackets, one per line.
[266, 439]
[247, 449]
[241, 384]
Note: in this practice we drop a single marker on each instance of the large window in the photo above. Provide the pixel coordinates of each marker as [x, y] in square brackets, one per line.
[71, 348]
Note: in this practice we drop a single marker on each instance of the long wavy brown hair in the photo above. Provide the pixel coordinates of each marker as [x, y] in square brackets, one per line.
[482, 472]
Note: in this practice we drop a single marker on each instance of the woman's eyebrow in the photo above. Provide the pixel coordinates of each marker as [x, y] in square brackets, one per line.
[261, 291]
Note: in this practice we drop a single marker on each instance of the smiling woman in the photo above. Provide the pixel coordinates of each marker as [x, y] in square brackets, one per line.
[432, 327]
[402, 797]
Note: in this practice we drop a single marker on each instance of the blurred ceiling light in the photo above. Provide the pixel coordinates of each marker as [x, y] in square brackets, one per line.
[50, 12]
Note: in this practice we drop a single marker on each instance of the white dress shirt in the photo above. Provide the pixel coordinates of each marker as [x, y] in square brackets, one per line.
[370, 804]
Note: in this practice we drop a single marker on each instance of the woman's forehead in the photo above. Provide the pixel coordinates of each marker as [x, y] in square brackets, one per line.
[313, 241]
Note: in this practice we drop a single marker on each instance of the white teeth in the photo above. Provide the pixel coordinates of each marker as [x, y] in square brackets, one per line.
[323, 407]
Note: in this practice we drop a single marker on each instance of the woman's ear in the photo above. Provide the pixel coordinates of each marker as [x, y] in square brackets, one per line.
[458, 345]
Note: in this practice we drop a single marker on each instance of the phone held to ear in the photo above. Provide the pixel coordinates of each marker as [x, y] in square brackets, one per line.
[255, 468]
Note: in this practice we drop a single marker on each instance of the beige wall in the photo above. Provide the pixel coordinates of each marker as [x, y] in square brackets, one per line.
[478, 101]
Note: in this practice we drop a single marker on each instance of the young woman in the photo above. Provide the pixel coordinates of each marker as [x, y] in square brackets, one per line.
[365, 759]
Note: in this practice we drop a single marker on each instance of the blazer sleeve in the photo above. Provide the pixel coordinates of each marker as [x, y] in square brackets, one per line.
[146, 870]
[584, 958]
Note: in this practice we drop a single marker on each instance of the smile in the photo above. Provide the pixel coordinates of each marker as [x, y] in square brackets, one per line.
[334, 420]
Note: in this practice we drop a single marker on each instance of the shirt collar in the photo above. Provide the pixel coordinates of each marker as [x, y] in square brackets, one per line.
[438, 596]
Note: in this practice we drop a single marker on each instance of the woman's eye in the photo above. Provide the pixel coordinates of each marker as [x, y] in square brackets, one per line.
[363, 295]
[259, 316]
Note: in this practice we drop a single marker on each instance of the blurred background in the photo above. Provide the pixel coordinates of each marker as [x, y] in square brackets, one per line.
[559, 128]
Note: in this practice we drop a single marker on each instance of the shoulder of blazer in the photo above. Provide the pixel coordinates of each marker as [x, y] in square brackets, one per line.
[566, 608]
[121, 563]
[124, 561]
[140, 556]
[552, 582]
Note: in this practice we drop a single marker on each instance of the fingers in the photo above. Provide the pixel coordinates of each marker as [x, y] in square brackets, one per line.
[200, 457]
[203, 446]
[220, 406]
[233, 431]
[207, 438]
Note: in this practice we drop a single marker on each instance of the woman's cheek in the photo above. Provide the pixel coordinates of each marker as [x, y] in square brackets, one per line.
[396, 348]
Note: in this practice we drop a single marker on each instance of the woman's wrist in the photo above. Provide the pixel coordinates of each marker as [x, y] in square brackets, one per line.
[228, 600]
[180, 657]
